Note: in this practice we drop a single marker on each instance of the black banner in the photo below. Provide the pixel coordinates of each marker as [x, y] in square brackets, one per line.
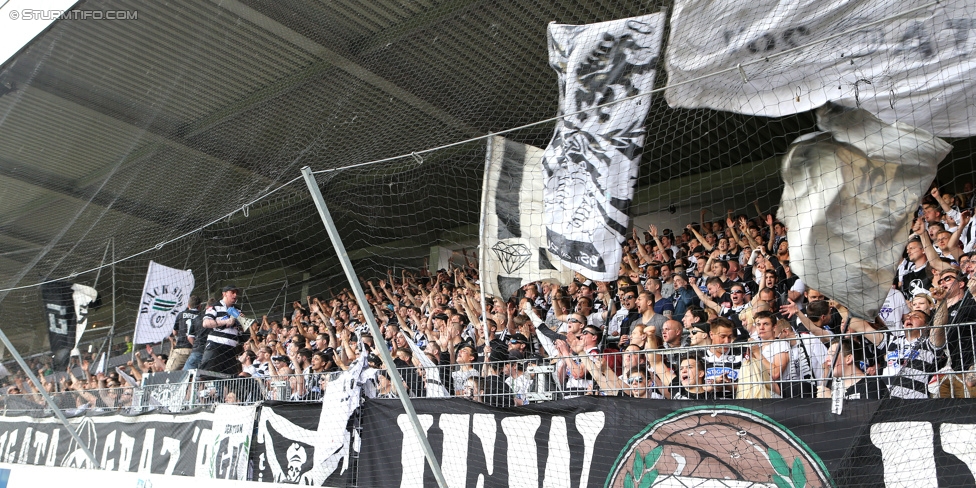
[154, 443]
[596, 442]
[59, 308]
[298, 443]
[202, 444]
[584, 442]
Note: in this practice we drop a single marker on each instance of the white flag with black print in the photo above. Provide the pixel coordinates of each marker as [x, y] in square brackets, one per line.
[513, 239]
[849, 198]
[591, 163]
[164, 295]
[911, 61]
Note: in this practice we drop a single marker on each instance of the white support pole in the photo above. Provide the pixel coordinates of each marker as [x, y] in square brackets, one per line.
[374, 327]
[482, 252]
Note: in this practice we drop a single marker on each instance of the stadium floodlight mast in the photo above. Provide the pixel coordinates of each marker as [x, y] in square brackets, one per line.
[374, 327]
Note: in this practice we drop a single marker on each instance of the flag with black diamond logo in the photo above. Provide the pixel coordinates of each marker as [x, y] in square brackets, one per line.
[513, 236]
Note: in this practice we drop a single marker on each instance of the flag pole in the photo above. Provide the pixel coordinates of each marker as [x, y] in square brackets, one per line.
[482, 259]
[379, 346]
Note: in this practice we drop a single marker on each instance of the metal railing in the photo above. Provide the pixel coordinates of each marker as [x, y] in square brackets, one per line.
[730, 371]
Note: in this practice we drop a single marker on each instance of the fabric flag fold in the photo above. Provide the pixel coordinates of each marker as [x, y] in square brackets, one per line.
[164, 295]
[912, 61]
[591, 163]
[84, 297]
[513, 238]
[849, 197]
[66, 306]
[432, 376]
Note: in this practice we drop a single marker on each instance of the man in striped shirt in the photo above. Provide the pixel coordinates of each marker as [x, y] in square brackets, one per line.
[722, 361]
[914, 357]
[221, 318]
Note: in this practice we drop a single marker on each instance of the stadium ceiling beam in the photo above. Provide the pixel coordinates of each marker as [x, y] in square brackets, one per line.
[329, 59]
[19, 238]
[64, 187]
[83, 189]
[50, 88]
[13, 232]
[428, 17]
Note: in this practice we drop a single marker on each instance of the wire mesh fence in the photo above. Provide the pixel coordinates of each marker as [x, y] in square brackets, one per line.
[900, 363]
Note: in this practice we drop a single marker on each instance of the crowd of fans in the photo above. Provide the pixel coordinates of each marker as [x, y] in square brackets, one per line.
[712, 311]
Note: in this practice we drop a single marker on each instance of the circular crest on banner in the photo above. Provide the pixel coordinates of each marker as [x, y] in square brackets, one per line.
[697, 446]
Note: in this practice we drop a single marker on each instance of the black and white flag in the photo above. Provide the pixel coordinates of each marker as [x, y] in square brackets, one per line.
[293, 447]
[164, 295]
[66, 306]
[591, 163]
[849, 197]
[513, 239]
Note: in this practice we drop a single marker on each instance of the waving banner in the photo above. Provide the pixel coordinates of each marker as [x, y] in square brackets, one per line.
[164, 295]
[915, 67]
[513, 239]
[848, 202]
[66, 306]
[591, 163]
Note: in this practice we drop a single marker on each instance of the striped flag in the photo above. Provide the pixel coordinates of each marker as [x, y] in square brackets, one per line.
[164, 295]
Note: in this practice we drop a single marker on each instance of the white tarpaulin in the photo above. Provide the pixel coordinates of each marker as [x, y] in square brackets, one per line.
[513, 239]
[850, 195]
[164, 295]
[917, 68]
[591, 162]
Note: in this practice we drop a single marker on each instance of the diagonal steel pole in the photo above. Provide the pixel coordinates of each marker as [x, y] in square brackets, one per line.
[313, 188]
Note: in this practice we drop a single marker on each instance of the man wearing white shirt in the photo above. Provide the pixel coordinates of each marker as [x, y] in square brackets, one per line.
[775, 355]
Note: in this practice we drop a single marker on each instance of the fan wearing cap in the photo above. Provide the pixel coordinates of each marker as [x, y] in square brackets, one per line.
[222, 342]
[698, 334]
[518, 342]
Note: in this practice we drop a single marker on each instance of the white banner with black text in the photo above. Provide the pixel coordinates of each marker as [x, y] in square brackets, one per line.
[164, 295]
[915, 67]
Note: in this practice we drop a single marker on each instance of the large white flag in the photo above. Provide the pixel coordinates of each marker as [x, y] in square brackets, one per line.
[164, 295]
[850, 195]
[591, 163]
[917, 68]
[513, 239]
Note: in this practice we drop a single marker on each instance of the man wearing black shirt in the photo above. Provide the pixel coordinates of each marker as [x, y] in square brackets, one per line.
[182, 347]
[689, 383]
[197, 336]
[959, 313]
[916, 276]
[846, 374]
